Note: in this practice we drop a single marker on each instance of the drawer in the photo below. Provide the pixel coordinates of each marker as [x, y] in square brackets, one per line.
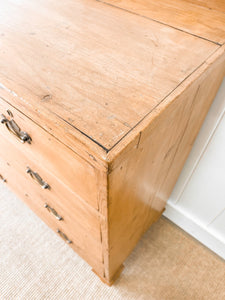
[75, 172]
[80, 222]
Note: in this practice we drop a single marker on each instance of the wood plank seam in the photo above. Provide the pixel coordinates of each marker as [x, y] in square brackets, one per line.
[171, 92]
[160, 22]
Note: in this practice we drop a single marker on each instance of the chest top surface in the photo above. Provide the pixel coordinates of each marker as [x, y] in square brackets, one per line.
[94, 67]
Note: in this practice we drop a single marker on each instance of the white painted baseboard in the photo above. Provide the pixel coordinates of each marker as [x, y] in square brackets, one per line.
[203, 234]
[197, 203]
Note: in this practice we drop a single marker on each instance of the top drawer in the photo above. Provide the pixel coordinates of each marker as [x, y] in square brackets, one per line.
[76, 173]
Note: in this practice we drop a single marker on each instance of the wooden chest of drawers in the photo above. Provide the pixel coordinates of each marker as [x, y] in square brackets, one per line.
[100, 106]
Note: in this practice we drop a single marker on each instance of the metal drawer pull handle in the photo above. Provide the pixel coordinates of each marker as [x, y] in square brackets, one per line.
[14, 128]
[53, 212]
[38, 178]
[2, 178]
[63, 236]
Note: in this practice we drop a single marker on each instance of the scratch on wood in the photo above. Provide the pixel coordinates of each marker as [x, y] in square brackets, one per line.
[14, 94]
[46, 97]
[8, 90]
[101, 240]
[104, 148]
[168, 152]
[139, 139]
[91, 156]
[183, 132]
[101, 234]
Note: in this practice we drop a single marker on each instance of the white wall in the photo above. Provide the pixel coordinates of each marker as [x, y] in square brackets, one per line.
[197, 203]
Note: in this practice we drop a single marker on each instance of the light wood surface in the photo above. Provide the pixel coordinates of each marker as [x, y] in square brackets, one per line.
[218, 5]
[98, 72]
[113, 101]
[51, 154]
[80, 223]
[189, 16]
[141, 183]
[129, 142]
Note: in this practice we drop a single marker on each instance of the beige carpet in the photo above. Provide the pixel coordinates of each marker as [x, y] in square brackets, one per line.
[36, 264]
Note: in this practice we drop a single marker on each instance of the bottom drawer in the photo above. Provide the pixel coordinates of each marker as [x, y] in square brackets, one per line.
[66, 221]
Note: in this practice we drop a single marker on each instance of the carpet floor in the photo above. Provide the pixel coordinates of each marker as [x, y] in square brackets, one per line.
[166, 264]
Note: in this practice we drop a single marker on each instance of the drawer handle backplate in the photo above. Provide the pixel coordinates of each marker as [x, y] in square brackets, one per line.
[53, 212]
[13, 128]
[38, 178]
[63, 236]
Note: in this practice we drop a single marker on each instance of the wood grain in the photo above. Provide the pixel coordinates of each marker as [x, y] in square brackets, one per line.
[80, 223]
[113, 101]
[141, 183]
[210, 4]
[130, 141]
[183, 14]
[94, 70]
[51, 154]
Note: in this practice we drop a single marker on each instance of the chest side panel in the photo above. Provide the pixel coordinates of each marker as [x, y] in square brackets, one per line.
[142, 179]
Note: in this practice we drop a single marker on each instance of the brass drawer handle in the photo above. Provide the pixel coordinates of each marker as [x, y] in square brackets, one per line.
[2, 178]
[38, 178]
[53, 212]
[63, 236]
[14, 128]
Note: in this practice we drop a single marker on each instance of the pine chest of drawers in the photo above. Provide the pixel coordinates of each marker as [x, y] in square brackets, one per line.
[100, 106]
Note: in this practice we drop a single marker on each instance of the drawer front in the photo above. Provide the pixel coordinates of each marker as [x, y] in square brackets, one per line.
[55, 204]
[80, 176]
